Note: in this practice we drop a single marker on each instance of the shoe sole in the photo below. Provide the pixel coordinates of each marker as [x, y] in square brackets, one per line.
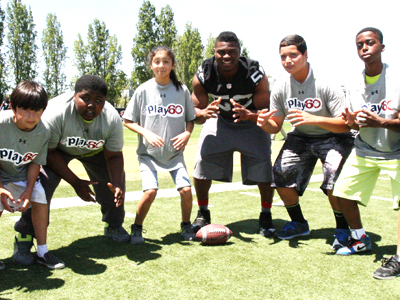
[385, 277]
[292, 236]
[50, 267]
[351, 253]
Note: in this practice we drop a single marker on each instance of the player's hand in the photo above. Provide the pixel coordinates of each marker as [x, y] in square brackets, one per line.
[370, 119]
[241, 112]
[119, 196]
[25, 199]
[84, 191]
[180, 141]
[5, 195]
[349, 117]
[298, 117]
[153, 139]
[212, 110]
[264, 116]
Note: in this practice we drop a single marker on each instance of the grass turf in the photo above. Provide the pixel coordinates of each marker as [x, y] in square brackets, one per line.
[247, 267]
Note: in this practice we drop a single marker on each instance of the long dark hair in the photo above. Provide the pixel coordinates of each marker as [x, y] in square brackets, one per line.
[171, 54]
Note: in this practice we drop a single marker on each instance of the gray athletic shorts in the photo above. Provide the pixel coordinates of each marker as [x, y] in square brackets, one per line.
[219, 139]
[299, 154]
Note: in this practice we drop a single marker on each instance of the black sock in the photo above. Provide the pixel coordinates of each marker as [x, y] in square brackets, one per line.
[295, 213]
[341, 222]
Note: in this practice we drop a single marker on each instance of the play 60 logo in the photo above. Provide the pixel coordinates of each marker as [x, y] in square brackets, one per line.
[172, 110]
[385, 106]
[309, 104]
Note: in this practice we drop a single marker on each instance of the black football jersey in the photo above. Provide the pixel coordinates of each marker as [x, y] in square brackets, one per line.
[241, 88]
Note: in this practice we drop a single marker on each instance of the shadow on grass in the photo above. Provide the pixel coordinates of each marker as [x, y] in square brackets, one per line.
[26, 279]
[81, 255]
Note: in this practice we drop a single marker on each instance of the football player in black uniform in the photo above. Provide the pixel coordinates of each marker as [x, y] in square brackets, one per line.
[240, 89]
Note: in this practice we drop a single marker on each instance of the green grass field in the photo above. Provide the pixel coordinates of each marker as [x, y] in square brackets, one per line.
[165, 267]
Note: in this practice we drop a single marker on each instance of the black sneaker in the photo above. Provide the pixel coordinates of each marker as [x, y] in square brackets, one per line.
[187, 232]
[203, 218]
[118, 234]
[136, 236]
[51, 261]
[22, 250]
[266, 227]
[389, 270]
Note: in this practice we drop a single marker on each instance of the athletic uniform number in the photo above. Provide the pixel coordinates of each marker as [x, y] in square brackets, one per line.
[256, 76]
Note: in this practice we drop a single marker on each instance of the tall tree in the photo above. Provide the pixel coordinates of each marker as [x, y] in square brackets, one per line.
[54, 54]
[189, 51]
[3, 68]
[81, 57]
[209, 49]
[166, 29]
[101, 56]
[152, 30]
[21, 41]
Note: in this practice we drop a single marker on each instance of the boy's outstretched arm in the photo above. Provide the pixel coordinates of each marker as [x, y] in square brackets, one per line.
[58, 165]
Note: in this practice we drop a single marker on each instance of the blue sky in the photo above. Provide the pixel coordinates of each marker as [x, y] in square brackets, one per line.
[329, 29]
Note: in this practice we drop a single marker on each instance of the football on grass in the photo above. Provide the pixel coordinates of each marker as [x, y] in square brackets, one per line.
[213, 234]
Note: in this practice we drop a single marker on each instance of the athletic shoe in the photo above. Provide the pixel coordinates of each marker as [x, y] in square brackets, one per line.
[2, 265]
[51, 261]
[390, 268]
[266, 227]
[203, 218]
[187, 232]
[136, 235]
[342, 237]
[293, 229]
[22, 250]
[118, 234]
[356, 246]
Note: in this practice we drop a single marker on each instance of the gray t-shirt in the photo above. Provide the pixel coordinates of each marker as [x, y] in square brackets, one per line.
[71, 134]
[19, 148]
[164, 111]
[313, 96]
[382, 98]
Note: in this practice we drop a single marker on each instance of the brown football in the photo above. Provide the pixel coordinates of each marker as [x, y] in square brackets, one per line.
[213, 234]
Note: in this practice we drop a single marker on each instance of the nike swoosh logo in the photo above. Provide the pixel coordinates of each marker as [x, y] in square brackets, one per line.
[359, 248]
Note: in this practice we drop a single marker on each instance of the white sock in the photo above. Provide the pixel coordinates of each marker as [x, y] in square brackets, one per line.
[357, 233]
[41, 250]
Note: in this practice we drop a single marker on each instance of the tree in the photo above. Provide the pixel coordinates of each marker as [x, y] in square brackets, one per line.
[166, 29]
[152, 30]
[101, 56]
[54, 54]
[3, 67]
[188, 54]
[21, 41]
[209, 49]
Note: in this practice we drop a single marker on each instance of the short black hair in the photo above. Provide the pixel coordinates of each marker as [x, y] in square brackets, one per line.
[377, 32]
[294, 40]
[29, 95]
[228, 37]
[91, 82]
